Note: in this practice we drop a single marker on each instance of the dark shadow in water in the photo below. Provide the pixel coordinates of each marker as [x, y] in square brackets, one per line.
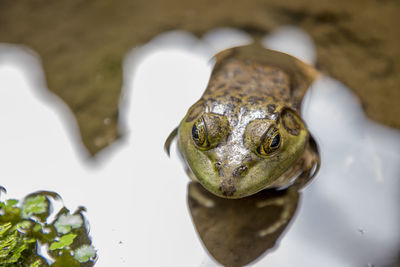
[238, 231]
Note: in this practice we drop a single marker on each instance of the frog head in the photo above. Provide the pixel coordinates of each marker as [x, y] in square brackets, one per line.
[237, 155]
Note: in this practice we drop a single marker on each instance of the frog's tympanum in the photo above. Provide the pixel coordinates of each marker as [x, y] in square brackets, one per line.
[245, 134]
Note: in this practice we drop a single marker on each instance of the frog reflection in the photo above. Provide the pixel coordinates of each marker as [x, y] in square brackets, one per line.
[237, 232]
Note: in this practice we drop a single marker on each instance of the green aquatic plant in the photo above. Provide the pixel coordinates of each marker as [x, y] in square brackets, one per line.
[27, 230]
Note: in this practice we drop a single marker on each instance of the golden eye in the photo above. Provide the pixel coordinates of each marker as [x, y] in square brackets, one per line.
[199, 133]
[270, 143]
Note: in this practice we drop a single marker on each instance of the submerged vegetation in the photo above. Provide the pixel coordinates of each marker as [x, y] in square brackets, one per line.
[30, 235]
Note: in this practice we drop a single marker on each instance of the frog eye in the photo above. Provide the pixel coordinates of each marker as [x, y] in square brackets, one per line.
[270, 143]
[199, 134]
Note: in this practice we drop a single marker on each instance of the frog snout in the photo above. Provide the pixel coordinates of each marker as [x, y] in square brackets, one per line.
[229, 176]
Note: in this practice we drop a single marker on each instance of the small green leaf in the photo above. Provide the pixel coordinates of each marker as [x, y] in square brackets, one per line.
[37, 227]
[64, 241]
[12, 202]
[25, 224]
[34, 205]
[84, 253]
[66, 222]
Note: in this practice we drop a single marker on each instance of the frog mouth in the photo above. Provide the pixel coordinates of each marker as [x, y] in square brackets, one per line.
[228, 183]
[227, 188]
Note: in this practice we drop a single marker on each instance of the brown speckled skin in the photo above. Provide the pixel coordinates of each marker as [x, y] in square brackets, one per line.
[238, 82]
[254, 89]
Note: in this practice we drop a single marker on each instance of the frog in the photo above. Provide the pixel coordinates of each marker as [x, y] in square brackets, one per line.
[246, 133]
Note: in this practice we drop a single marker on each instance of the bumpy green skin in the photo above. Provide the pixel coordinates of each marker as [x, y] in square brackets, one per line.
[250, 90]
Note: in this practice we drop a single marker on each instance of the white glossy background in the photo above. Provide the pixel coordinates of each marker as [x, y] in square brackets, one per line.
[136, 196]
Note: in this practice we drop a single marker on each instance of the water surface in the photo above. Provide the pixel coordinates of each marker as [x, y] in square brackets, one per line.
[137, 198]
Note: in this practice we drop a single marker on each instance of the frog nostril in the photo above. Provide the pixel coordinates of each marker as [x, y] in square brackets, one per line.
[242, 168]
[217, 165]
[239, 170]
